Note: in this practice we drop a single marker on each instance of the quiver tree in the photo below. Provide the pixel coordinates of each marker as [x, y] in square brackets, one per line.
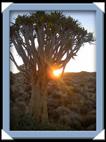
[44, 40]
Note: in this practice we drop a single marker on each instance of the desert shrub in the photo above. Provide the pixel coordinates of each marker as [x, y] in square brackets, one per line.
[64, 120]
[92, 112]
[75, 120]
[22, 122]
[89, 120]
[76, 125]
[54, 126]
[61, 110]
[26, 122]
[91, 127]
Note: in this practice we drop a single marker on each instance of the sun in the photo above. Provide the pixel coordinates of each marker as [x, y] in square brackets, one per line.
[57, 73]
[54, 72]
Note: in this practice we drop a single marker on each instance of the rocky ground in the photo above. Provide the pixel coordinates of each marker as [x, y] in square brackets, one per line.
[71, 103]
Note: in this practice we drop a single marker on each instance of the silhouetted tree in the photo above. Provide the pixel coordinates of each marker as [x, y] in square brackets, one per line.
[43, 40]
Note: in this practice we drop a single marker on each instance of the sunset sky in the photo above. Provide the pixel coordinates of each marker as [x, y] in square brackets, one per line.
[86, 57]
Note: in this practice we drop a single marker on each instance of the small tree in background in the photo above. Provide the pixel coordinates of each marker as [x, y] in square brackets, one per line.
[45, 40]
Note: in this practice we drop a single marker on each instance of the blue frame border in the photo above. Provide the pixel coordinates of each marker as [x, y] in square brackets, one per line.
[99, 72]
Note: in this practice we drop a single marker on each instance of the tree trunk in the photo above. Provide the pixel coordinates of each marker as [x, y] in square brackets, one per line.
[38, 102]
[44, 111]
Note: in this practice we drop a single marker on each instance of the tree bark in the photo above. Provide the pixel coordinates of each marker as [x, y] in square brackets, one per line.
[38, 102]
[44, 112]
